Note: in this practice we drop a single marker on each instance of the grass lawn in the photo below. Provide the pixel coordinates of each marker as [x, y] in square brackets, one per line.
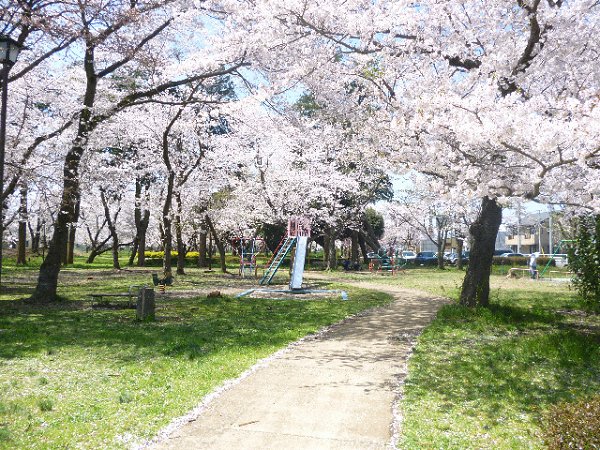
[71, 376]
[484, 378]
[76, 377]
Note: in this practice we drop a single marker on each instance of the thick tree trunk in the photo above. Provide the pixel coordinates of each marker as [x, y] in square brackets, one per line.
[326, 249]
[476, 285]
[354, 247]
[332, 254]
[369, 235]
[363, 248]
[71, 243]
[202, 250]
[68, 211]
[64, 248]
[22, 243]
[218, 243]
[141, 250]
[47, 283]
[210, 250]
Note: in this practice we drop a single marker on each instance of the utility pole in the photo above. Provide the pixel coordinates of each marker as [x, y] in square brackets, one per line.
[550, 235]
[519, 226]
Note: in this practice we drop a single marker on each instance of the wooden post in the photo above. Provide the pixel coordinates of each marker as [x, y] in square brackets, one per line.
[145, 304]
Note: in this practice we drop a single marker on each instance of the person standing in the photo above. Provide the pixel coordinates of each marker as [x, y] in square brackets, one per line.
[533, 265]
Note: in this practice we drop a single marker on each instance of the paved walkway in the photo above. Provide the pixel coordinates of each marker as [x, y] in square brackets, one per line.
[335, 391]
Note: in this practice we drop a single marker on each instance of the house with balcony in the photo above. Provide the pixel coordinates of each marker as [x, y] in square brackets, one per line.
[531, 233]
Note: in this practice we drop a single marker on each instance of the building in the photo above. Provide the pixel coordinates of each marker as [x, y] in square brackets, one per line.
[531, 233]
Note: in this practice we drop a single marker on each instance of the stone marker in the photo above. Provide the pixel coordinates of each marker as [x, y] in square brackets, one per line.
[145, 304]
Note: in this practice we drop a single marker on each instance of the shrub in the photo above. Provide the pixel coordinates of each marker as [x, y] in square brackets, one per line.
[513, 262]
[584, 259]
[155, 259]
[574, 425]
[522, 261]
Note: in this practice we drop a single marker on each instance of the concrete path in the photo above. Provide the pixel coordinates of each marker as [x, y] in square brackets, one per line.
[336, 391]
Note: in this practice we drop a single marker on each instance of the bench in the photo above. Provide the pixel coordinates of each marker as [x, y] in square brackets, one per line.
[131, 295]
[512, 272]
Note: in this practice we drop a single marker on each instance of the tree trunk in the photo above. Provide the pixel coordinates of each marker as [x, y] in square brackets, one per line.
[95, 252]
[210, 251]
[35, 236]
[22, 243]
[181, 250]
[354, 247]
[68, 210]
[218, 243]
[476, 285]
[98, 247]
[64, 248]
[134, 249]
[71, 244]
[202, 249]
[363, 248]
[141, 218]
[167, 229]
[369, 236]
[112, 228]
[326, 248]
[441, 246]
[141, 250]
[332, 254]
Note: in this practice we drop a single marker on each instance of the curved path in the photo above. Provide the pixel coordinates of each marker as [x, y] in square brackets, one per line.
[335, 391]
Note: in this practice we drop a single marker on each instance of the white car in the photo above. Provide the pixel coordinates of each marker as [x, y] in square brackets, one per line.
[408, 254]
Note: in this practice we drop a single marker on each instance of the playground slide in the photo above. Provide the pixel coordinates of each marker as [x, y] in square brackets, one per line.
[299, 259]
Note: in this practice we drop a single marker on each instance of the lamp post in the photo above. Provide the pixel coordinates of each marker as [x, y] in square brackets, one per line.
[9, 51]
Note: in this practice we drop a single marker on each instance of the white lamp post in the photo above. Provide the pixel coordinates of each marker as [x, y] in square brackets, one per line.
[9, 51]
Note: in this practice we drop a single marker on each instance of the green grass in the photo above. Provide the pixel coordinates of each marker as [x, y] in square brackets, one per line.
[483, 378]
[75, 377]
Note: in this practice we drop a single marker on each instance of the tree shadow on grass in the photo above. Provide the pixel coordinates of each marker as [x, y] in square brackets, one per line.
[188, 327]
[506, 359]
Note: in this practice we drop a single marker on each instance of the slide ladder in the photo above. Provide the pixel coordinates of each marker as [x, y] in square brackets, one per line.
[282, 251]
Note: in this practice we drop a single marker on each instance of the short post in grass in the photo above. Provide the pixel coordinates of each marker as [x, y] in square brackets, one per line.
[145, 304]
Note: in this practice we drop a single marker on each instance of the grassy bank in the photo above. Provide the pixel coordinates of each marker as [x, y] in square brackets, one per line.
[75, 377]
[485, 378]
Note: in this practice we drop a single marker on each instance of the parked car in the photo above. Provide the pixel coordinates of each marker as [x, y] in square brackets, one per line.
[502, 251]
[512, 255]
[452, 258]
[426, 259]
[408, 254]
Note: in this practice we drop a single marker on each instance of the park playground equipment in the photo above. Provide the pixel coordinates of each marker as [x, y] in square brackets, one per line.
[248, 248]
[298, 232]
[551, 257]
[546, 274]
[386, 264]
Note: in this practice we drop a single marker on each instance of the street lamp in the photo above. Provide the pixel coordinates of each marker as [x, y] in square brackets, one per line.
[9, 51]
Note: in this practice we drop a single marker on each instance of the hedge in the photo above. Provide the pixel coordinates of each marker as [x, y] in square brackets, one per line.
[521, 261]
